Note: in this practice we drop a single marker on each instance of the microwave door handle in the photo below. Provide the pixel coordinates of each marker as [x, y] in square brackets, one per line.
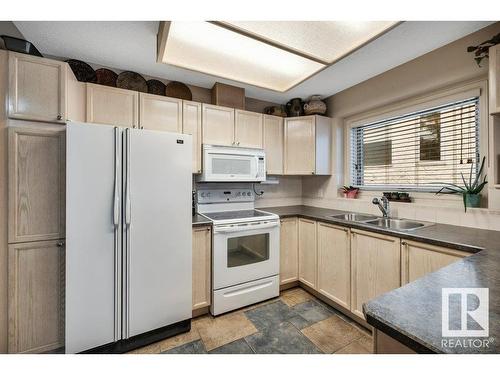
[257, 166]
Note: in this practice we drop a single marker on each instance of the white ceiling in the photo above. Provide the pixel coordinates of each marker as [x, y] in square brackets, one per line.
[131, 45]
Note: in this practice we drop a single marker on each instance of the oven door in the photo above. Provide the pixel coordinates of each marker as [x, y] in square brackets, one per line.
[245, 252]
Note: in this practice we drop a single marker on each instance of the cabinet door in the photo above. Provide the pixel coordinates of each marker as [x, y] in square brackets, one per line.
[289, 250]
[376, 267]
[36, 296]
[300, 145]
[494, 79]
[420, 259]
[273, 144]
[248, 129]
[218, 125]
[191, 124]
[202, 243]
[334, 263]
[307, 252]
[36, 184]
[112, 106]
[37, 88]
[160, 113]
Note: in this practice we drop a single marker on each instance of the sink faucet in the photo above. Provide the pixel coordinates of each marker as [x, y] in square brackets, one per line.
[383, 204]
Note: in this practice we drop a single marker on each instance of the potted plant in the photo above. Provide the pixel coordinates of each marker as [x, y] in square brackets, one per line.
[470, 191]
[350, 191]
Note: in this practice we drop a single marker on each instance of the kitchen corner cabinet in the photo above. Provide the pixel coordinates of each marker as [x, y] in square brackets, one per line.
[273, 144]
[36, 183]
[36, 296]
[112, 106]
[334, 263]
[494, 79]
[307, 252]
[202, 257]
[191, 124]
[218, 125]
[420, 259]
[160, 113]
[289, 250]
[248, 129]
[37, 88]
[307, 145]
[375, 267]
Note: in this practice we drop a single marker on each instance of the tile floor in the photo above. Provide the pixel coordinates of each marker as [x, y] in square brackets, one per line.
[296, 322]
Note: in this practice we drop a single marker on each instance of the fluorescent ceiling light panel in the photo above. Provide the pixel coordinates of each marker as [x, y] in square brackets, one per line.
[324, 41]
[211, 49]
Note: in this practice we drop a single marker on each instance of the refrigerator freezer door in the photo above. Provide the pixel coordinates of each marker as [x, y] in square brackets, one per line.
[158, 260]
[93, 225]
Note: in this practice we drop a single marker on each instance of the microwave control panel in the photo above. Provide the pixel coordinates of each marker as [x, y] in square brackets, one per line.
[262, 167]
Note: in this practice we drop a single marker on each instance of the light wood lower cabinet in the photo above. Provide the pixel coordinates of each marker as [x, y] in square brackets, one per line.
[36, 296]
[376, 267]
[334, 263]
[420, 259]
[191, 124]
[307, 252]
[289, 250]
[112, 106]
[160, 113]
[36, 183]
[202, 257]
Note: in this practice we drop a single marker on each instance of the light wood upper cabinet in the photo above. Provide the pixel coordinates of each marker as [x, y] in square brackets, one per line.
[36, 184]
[334, 263]
[202, 243]
[289, 250]
[218, 125]
[160, 113]
[248, 129]
[191, 124]
[376, 267]
[307, 145]
[307, 252]
[112, 106]
[273, 144]
[420, 259]
[494, 79]
[37, 88]
[36, 296]
[299, 145]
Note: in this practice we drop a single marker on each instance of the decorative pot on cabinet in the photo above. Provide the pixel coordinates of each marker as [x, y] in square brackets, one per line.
[315, 106]
[295, 107]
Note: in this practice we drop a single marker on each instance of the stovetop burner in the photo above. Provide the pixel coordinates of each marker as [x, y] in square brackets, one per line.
[236, 215]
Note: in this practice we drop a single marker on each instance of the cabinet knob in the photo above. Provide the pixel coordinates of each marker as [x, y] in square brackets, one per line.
[60, 244]
[312, 172]
[238, 143]
[59, 117]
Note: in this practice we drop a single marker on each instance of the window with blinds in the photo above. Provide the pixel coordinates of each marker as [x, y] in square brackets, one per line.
[419, 150]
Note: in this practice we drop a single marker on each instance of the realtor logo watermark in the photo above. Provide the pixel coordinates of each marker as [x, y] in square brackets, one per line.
[465, 318]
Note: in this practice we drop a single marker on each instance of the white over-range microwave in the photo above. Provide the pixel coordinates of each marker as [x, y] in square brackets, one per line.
[223, 163]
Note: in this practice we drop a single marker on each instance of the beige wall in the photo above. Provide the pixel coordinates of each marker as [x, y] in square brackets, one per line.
[439, 69]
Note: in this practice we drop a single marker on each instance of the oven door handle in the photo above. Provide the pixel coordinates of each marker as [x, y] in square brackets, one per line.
[247, 227]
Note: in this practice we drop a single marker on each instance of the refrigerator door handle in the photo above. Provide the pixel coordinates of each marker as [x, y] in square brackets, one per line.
[116, 200]
[127, 187]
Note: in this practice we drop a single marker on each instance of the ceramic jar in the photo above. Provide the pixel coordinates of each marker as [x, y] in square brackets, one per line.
[315, 106]
[295, 108]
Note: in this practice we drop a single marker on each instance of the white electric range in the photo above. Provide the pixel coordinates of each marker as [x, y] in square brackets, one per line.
[245, 248]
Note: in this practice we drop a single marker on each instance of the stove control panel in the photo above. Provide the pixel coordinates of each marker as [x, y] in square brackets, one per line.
[225, 195]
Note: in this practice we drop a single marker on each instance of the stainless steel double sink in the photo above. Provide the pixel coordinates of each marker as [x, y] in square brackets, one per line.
[382, 222]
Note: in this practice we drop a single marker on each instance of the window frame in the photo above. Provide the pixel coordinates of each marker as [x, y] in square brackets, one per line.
[477, 88]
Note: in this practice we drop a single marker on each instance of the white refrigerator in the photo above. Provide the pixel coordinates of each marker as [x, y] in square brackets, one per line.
[128, 237]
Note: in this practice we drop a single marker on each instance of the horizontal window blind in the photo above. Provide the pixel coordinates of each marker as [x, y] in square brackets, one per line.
[419, 150]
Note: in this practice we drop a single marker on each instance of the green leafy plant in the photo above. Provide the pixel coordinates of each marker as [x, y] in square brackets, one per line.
[469, 188]
[481, 50]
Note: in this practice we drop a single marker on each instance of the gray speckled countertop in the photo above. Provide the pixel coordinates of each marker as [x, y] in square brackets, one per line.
[200, 220]
[412, 314]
